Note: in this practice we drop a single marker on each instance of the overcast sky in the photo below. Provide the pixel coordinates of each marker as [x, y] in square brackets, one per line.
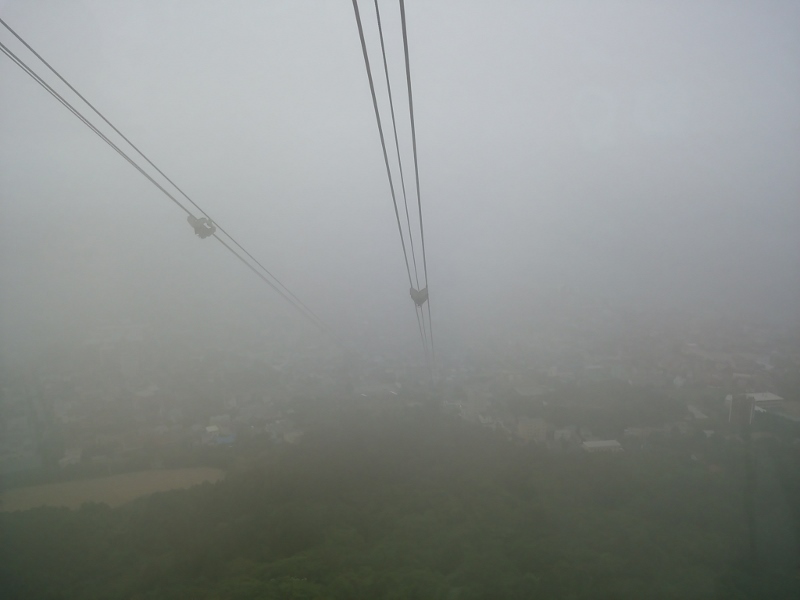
[644, 152]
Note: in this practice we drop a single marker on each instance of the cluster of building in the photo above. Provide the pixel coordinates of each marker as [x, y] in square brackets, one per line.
[696, 363]
[125, 397]
[122, 400]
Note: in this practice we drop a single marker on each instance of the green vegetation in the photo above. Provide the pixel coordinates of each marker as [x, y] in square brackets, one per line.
[408, 504]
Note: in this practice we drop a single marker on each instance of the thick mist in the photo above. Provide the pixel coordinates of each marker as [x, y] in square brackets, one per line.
[639, 155]
[599, 398]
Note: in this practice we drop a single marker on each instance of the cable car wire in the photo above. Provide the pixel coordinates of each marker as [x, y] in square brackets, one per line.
[320, 324]
[396, 142]
[416, 165]
[21, 64]
[420, 323]
[385, 155]
[142, 154]
[291, 298]
[380, 132]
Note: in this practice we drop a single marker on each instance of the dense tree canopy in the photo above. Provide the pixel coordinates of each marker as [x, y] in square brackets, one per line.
[411, 504]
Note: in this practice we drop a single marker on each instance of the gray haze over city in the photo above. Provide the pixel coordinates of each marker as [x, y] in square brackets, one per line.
[636, 154]
[590, 390]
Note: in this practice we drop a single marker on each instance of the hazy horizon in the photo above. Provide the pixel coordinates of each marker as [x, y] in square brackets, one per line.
[643, 154]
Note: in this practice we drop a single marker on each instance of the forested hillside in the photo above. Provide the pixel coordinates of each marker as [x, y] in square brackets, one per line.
[410, 504]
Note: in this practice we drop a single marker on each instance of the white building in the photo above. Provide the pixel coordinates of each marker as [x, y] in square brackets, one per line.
[696, 412]
[764, 398]
[610, 446]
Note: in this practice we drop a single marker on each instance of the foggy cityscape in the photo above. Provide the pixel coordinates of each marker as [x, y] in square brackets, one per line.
[215, 381]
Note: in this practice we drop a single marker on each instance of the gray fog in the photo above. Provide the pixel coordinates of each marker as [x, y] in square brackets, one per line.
[590, 390]
[635, 154]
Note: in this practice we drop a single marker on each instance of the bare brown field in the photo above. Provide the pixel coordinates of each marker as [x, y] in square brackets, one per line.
[113, 490]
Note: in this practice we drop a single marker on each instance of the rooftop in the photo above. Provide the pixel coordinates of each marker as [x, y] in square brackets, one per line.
[696, 412]
[786, 410]
[764, 397]
[602, 445]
